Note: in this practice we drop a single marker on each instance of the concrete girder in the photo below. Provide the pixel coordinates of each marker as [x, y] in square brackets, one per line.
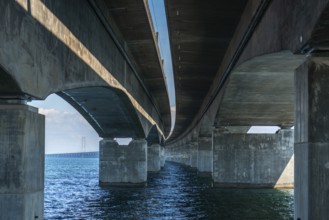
[199, 36]
[153, 136]
[8, 86]
[109, 111]
[265, 27]
[260, 91]
[46, 50]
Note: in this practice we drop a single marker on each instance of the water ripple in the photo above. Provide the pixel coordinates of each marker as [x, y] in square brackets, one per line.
[72, 192]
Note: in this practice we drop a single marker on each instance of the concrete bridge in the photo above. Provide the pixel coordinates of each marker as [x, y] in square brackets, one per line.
[102, 58]
[244, 63]
[236, 64]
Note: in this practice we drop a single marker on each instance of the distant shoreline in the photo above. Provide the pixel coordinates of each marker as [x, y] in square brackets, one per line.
[93, 154]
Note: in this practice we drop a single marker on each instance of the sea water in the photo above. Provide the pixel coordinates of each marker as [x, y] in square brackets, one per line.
[72, 192]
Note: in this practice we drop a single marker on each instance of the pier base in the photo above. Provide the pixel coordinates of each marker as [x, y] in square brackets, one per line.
[205, 157]
[254, 160]
[153, 158]
[194, 154]
[312, 140]
[162, 156]
[22, 153]
[123, 165]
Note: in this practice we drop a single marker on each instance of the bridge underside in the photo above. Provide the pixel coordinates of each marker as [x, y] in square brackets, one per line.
[108, 110]
[103, 62]
[199, 34]
[257, 83]
[261, 92]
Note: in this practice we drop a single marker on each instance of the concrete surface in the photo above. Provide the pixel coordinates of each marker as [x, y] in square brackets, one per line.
[312, 140]
[194, 154]
[154, 158]
[261, 92]
[22, 152]
[162, 156]
[199, 37]
[123, 165]
[205, 156]
[47, 50]
[295, 26]
[179, 154]
[253, 160]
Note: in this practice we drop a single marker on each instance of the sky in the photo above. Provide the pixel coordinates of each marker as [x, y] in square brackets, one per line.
[158, 14]
[65, 127]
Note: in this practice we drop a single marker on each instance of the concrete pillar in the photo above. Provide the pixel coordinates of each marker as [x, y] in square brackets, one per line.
[312, 141]
[22, 153]
[123, 165]
[194, 154]
[179, 154]
[162, 156]
[185, 154]
[253, 160]
[153, 158]
[169, 153]
[205, 157]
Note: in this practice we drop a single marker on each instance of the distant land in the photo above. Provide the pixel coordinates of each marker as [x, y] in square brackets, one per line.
[94, 154]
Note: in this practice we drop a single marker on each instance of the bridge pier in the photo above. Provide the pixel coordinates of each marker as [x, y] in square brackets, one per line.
[179, 153]
[312, 141]
[193, 154]
[205, 157]
[162, 156]
[22, 132]
[253, 160]
[123, 165]
[154, 158]
[186, 154]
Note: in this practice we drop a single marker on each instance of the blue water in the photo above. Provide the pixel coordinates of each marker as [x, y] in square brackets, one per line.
[72, 192]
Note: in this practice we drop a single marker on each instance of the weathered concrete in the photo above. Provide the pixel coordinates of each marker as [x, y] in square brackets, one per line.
[264, 28]
[178, 154]
[123, 165]
[261, 92]
[183, 155]
[253, 160]
[312, 140]
[45, 49]
[153, 158]
[162, 156]
[194, 154]
[200, 36]
[22, 151]
[205, 156]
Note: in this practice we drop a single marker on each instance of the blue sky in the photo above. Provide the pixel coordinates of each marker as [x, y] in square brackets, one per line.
[65, 127]
[157, 9]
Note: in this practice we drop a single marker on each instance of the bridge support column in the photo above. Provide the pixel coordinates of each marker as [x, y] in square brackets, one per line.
[179, 154]
[123, 165]
[22, 152]
[186, 155]
[253, 160]
[153, 158]
[205, 157]
[194, 154]
[162, 156]
[312, 141]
